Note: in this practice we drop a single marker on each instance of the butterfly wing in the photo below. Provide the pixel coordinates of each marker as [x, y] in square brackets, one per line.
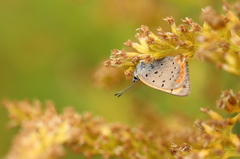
[169, 75]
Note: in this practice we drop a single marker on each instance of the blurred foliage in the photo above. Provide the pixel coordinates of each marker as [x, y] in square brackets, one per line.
[49, 49]
[48, 133]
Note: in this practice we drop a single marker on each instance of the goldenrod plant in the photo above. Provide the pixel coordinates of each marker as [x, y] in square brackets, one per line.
[46, 134]
[217, 40]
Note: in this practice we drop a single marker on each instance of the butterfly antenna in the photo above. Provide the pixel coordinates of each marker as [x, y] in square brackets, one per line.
[118, 94]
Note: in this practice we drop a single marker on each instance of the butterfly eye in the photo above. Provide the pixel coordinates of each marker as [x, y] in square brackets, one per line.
[135, 79]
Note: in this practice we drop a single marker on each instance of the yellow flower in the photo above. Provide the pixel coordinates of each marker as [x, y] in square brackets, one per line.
[152, 47]
[217, 40]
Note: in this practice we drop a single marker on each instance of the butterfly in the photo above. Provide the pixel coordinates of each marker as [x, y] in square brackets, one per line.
[169, 74]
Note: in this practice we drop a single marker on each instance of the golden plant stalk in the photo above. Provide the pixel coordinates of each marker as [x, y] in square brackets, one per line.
[45, 134]
[216, 40]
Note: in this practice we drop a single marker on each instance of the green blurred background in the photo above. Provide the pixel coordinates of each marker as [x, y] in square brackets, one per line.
[49, 50]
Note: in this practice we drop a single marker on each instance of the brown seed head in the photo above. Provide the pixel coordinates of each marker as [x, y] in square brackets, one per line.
[170, 20]
[145, 30]
[188, 21]
[128, 43]
[215, 20]
[182, 28]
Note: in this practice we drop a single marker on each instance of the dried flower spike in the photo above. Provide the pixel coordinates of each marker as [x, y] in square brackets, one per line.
[153, 47]
[48, 133]
[229, 102]
[217, 40]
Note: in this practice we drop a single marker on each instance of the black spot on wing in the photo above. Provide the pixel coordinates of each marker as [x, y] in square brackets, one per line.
[160, 74]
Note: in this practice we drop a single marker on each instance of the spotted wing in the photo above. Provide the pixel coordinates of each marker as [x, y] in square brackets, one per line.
[169, 75]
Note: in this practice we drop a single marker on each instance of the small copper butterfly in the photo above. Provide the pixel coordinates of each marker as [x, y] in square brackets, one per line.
[169, 75]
